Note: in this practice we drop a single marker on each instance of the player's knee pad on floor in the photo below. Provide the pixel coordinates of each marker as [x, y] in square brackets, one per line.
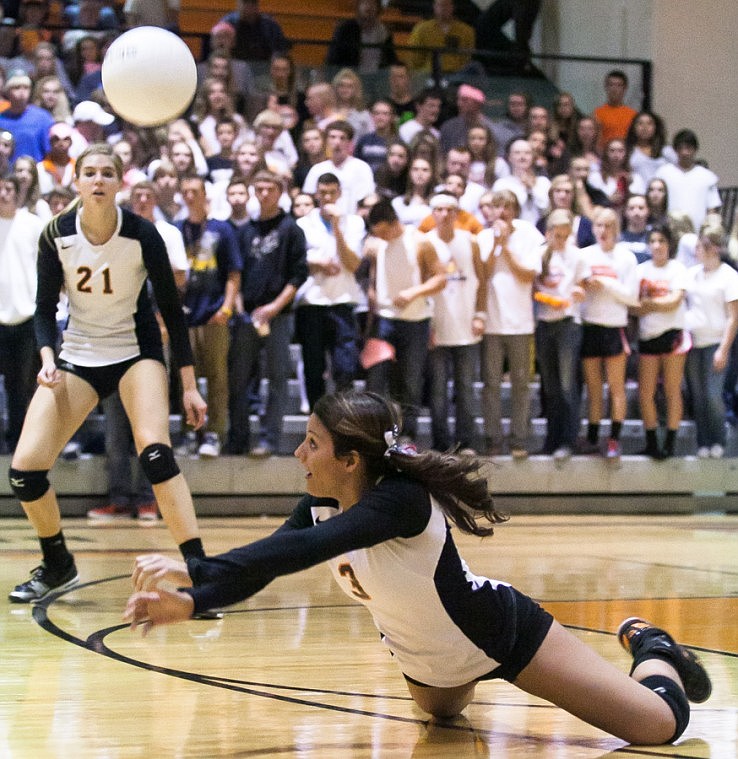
[28, 485]
[158, 462]
[674, 697]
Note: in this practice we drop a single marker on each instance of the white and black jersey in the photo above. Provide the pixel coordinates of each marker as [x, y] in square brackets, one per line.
[111, 316]
[394, 553]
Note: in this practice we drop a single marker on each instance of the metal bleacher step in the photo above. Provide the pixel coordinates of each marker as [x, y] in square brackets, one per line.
[632, 436]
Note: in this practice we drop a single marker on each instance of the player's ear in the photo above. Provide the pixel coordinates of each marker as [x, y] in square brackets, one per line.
[352, 460]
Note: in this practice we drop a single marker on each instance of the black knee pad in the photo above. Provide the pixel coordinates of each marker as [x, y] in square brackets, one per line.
[157, 461]
[674, 697]
[28, 486]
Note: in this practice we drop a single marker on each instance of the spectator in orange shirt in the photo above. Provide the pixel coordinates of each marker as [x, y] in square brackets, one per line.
[454, 185]
[614, 116]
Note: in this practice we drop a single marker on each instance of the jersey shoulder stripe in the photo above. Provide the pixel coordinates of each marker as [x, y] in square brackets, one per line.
[63, 225]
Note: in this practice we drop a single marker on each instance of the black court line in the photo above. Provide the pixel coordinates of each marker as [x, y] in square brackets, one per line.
[95, 643]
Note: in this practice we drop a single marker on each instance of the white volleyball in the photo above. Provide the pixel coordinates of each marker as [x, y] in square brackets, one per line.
[149, 76]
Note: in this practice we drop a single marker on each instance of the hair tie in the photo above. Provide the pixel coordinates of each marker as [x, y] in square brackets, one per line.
[390, 438]
[393, 446]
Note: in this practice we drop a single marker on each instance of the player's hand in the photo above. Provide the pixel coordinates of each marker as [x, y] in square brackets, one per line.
[196, 410]
[151, 569]
[161, 607]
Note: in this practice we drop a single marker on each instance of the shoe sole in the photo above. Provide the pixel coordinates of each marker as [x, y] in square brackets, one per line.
[696, 681]
[50, 592]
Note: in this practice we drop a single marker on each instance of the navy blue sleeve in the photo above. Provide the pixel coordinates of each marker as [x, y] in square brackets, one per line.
[297, 266]
[161, 277]
[227, 251]
[278, 41]
[395, 508]
[49, 280]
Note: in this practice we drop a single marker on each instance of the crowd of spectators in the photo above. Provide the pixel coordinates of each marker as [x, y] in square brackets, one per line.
[405, 241]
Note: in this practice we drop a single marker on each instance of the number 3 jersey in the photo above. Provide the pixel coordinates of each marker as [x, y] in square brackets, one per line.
[392, 552]
[111, 314]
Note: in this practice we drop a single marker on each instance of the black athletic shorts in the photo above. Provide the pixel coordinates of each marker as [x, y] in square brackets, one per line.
[663, 345]
[527, 625]
[103, 379]
[603, 342]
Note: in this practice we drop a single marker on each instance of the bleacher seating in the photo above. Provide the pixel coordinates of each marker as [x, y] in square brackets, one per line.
[240, 485]
[237, 484]
[315, 21]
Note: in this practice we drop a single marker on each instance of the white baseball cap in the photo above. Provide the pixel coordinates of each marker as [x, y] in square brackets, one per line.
[88, 110]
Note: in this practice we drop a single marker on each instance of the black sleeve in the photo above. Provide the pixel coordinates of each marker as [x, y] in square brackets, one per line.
[297, 266]
[388, 54]
[395, 508]
[50, 279]
[345, 44]
[160, 273]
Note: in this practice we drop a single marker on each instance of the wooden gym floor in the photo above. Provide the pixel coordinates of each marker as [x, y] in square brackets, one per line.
[298, 671]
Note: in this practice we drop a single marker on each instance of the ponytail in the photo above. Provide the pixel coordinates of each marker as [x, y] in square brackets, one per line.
[367, 423]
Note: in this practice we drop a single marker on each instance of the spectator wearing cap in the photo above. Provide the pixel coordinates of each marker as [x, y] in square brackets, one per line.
[90, 119]
[57, 167]
[470, 103]
[28, 123]
[7, 146]
[258, 35]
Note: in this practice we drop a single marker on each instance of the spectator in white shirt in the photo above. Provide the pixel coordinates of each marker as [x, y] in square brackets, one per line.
[530, 190]
[355, 175]
[427, 111]
[692, 187]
